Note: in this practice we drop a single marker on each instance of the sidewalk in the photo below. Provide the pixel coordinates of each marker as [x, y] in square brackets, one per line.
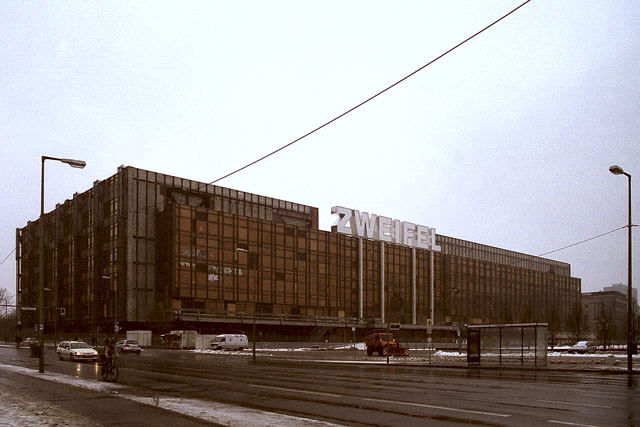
[19, 409]
[53, 399]
[31, 398]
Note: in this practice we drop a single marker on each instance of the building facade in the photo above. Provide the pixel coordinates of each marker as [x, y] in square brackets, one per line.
[606, 315]
[142, 246]
[623, 289]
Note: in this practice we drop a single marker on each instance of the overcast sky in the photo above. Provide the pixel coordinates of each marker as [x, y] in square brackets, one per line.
[505, 141]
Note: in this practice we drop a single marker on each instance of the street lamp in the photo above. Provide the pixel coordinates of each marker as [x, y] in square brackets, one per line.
[74, 164]
[617, 170]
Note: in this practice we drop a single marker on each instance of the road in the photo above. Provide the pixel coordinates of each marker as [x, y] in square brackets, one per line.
[337, 389]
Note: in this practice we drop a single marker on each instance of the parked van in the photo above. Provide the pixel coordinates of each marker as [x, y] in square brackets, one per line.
[230, 342]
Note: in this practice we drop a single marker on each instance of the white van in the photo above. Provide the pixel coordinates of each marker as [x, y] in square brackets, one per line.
[230, 342]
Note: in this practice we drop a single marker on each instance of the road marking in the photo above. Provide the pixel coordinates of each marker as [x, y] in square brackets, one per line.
[296, 390]
[573, 404]
[571, 424]
[444, 408]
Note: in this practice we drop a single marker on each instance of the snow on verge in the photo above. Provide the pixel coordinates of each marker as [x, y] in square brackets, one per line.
[26, 414]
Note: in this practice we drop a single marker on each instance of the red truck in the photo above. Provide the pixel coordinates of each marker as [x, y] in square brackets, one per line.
[384, 344]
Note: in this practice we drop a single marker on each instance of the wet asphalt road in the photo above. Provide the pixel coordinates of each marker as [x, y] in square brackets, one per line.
[371, 394]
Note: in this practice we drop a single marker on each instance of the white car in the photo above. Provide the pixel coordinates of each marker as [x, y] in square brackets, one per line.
[583, 347]
[30, 341]
[130, 346]
[76, 351]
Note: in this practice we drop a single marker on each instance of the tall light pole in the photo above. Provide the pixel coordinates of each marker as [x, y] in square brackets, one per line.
[617, 170]
[74, 164]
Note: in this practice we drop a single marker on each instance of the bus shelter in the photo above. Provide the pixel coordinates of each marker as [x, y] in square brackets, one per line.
[523, 343]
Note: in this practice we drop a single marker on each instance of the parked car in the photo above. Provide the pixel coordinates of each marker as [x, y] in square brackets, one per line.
[29, 341]
[583, 347]
[128, 346]
[76, 351]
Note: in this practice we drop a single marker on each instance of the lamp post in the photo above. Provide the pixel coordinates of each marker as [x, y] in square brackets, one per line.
[617, 170]
[74, 164]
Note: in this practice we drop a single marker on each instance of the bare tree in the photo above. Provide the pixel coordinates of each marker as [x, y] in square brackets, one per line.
[7, 320]
[606, 326]
[506, 314]
[577, 322]
[528, 313]
[635, 327]
[554, 324]
[5, 297]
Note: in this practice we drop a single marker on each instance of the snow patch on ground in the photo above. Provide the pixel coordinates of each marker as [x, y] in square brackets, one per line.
[19, 410]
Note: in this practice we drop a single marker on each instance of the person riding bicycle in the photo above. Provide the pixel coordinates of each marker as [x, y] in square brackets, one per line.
[110, 353]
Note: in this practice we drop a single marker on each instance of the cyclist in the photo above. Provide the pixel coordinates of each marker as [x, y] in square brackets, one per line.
[110, 353]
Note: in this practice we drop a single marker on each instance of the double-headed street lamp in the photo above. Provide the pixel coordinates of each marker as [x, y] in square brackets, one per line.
[74, 164]
[617, 170]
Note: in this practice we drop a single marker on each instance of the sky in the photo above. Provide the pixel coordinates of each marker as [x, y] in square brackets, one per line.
[505, 141]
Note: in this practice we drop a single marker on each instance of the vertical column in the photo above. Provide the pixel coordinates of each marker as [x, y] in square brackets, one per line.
[413, 286]
[18, 282]
[360, 281]
[382, 282]
[431, 281]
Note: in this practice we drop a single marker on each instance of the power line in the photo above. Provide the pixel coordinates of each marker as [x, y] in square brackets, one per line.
[357, 106]
[7, 257]
[369, 99]
[583, 241]
[571, 245]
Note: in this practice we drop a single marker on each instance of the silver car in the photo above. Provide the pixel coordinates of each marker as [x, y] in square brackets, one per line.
[128, 346]
[30, 341]
[583, 347]
[76, 351]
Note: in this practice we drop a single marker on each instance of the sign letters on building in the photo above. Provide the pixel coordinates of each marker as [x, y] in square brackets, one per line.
[361, 224]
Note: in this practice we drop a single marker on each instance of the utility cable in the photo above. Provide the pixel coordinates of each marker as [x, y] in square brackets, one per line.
[7, 257]
[357, 106]
[369, 99]
[520, 261]
[583, 241]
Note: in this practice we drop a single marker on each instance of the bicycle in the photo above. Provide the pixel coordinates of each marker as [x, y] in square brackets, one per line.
[109, 371]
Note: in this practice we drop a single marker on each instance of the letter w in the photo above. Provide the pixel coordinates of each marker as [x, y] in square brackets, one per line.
[363, 225]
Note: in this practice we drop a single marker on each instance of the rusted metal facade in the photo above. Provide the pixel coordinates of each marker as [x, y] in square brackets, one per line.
[141, 243]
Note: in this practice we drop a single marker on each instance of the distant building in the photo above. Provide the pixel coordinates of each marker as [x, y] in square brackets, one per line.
[606, 303]
[142, 247]
[619, 287]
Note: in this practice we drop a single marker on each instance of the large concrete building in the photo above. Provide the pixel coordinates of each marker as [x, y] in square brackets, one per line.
[606, 310]
[623, 289]
[141, 248]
